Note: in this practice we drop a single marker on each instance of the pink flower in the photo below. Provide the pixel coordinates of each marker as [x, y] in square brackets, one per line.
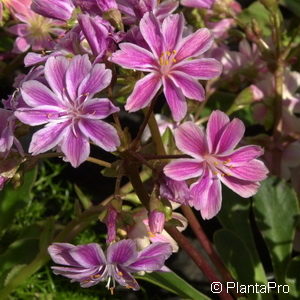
[68, 108]
[89, 265]
[169, 64]
[142, 234]
[35, 31]
[214, 160]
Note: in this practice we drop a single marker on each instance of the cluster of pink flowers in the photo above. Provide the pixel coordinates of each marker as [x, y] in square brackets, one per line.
[76, 48]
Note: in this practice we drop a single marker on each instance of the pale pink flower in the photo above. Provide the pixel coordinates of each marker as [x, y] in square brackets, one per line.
[214, 160]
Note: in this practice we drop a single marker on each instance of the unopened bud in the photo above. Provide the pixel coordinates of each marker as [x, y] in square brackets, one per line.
[156, 221]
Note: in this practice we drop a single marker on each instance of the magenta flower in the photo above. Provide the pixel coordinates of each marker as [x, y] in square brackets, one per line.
[88, 265]
[169, 64]
[215, 161]
[71, 114]
[198, 3]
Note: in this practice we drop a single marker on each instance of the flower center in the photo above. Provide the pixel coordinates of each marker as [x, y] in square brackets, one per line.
[39, 27]
[217, 166]
[166, 60]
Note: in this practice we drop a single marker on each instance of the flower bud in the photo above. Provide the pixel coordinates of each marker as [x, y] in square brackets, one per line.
[111, 220]
[156, 221]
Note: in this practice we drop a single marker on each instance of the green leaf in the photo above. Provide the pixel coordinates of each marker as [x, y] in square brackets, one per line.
[237, 257]
[234, 216]
[242, 100]
[292, 5]
[276, 210]
[293, 277]
[18, 253]
[256, 11]
[171, 282]
[12, 199]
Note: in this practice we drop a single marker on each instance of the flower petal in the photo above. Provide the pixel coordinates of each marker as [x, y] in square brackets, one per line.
[190, 139]
[59, 253]
[175, 99]
[151, 31]
[198, 3]
[203, 68]
[190, 87]
[47, 138]
[55, 71]
[172, 29]
[243, 155]
[124, 278]
[98, 79]
[152, 258]
[243, 188]
[184, 168]
[165, 8]
[102, 134]
[206, 194]
[123, 252]
[134, 57]
[75, 146]
[144, 91]
[21, 45]
[78, 69]
[89, 255]
[155, 249]
[76, 274]
[35, 93]
[254, 170]
[232, 134]
[215, 127]
[195, 44]
[38, 115]
[99, 108]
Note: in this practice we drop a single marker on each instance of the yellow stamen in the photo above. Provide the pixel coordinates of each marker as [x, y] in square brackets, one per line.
[96, 276]
[168, 53]
[120, 273]
[151, 234]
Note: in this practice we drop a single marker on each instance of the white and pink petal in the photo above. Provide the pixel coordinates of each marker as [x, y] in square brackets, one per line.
[102, 134]
[190, 139]
[175, 99]
[144, 91]
[75, 146]
[190, 87]
[183, 168]
[47, 138]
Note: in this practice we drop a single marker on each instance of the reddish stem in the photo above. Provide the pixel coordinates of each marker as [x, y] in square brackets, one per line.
[205, 242]
[185, 244]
